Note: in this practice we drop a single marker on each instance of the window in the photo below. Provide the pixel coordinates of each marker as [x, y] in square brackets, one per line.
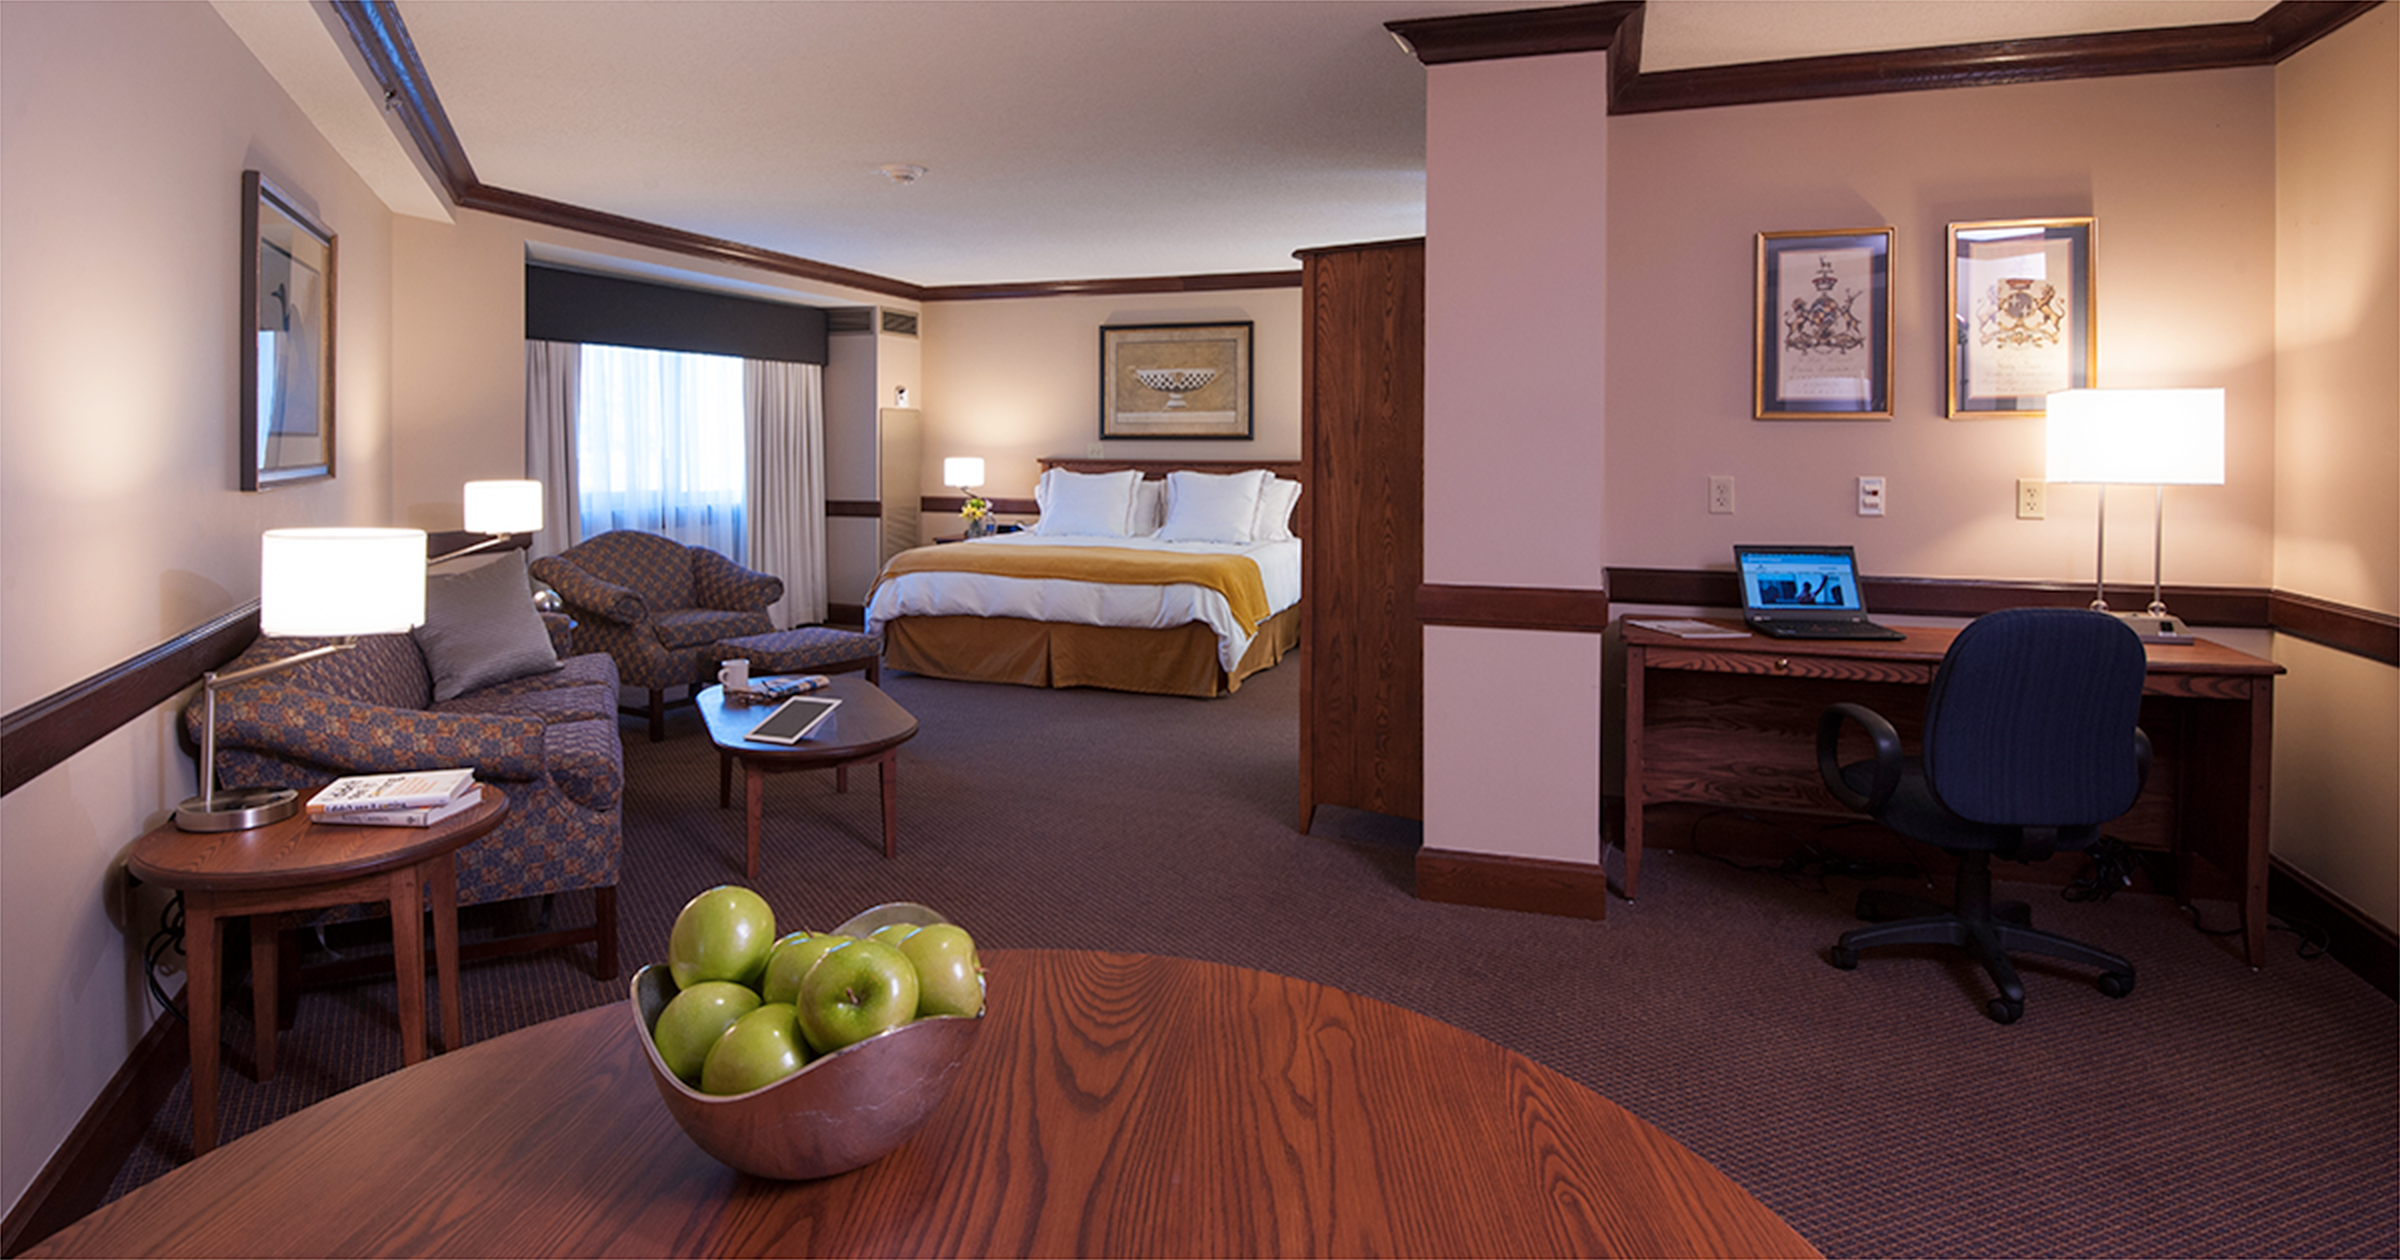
[659, 446]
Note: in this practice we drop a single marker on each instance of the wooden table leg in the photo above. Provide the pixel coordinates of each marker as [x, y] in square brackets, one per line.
[408, 960]
[264, 996]
[1629, 835]
[200, 998]
[887, 770]
[754, 797]
[442, 877]
[724, 778]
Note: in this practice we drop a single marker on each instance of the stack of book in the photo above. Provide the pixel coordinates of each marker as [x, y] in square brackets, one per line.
[413, 798]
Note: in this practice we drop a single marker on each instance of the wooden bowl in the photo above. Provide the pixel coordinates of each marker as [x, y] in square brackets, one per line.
[843, 1110]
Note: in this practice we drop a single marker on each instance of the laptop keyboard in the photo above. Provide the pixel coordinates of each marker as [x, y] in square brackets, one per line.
[1785, 629]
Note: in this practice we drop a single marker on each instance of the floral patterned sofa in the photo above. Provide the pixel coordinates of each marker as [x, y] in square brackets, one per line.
[659, 607]
[548, 741]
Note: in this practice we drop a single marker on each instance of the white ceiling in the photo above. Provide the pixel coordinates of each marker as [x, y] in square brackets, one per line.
[1063, 139]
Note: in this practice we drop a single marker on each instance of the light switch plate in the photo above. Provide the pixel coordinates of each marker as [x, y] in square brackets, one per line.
[1870, 496]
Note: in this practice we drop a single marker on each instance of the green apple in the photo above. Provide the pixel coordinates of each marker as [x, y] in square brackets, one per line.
[761, 1048]
[694, 1019]
[854, 992]
[892, 933]
[791, 958]
[722, 934]
[949, 976]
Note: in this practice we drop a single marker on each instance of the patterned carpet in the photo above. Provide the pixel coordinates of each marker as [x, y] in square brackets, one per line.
[2216, 1111]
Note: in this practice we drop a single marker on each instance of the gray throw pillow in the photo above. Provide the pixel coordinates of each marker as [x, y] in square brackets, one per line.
[481, 628]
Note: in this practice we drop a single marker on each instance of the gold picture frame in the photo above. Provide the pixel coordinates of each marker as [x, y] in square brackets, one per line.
[1821, 345]
[2022, 302]
[1176, 381]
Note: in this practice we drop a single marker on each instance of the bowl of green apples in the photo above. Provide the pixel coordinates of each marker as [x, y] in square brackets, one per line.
[806, 1054]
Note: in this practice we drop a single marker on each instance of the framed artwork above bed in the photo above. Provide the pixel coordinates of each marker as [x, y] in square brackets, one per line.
[1175, 381]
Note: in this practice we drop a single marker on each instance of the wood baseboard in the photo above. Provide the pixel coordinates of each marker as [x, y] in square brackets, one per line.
[2364, 946]
[1499, 882]
[77, 1178]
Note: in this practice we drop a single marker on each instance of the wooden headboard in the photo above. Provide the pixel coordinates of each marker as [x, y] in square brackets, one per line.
[1157, 470]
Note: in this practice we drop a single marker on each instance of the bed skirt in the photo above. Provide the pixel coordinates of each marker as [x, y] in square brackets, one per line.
[1180, 661]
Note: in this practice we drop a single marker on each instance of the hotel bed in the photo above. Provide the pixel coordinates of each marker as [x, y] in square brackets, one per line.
[1150, 576]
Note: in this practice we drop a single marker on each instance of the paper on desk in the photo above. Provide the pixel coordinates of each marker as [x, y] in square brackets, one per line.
[1685, 628]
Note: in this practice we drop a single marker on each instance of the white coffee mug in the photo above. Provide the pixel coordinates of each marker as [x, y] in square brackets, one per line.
[735, 675]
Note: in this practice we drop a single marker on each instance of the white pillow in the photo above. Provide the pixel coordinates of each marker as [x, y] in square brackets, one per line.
[1275, 506]
[1089, 504]
[1149, 506]
[1212, 507]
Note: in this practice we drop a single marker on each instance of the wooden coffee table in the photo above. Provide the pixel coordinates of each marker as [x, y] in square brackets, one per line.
[1112, 1105]
[299, 865]
[870, 726]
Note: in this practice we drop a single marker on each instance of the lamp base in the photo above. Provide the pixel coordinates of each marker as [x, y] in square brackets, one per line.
[2156, 627]
[237, 810]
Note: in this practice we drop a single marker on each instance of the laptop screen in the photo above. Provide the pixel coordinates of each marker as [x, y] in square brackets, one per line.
[1798, 580]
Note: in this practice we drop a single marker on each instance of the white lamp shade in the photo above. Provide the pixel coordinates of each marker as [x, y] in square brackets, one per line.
[2143, 437]
[504, 507]
[341, 581]
[962, 472]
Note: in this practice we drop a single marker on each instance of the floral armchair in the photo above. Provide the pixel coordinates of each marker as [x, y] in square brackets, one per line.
[658, 607]
[547, 741]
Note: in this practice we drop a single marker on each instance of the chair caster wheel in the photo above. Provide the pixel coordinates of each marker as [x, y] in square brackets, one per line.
[1846, 959]
[2004, 1011]
[2116, 984]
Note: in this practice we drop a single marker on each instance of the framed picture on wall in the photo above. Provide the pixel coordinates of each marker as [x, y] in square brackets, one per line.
[2021, 305]
[1822, 347]
[287, 340]
[1175, 381]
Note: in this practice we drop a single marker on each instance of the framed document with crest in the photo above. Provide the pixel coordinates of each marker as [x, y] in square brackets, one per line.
[1822, 347]
[2021, 306]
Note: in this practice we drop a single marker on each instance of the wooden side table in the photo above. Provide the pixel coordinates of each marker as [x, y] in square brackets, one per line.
[299, 865]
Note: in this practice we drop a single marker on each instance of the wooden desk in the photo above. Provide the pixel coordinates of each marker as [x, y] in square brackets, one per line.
[299, 865]
[1113, 1105]
[1734, 722]
[869, 727]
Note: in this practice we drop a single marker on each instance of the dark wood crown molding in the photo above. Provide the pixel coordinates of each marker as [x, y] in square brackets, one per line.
[1216, 282]
[1616, 27]
[1514, 33]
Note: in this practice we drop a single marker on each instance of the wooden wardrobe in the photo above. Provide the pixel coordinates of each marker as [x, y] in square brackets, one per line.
[1362, 388]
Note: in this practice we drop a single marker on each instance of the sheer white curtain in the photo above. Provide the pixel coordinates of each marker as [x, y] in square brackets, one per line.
[785, 416]
[553, 371]
[659, 446]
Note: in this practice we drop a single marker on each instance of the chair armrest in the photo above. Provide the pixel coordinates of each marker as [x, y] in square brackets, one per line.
[358, 738]
[590, 594]
[1889, 759]
[720, 583]
[561, 629]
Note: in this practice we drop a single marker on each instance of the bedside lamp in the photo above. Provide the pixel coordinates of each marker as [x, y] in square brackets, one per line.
[966, 473]
[317, 582]
[2154, 437]
[502, 509]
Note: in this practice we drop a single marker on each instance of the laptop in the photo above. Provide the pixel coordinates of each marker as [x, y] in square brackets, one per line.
[1794, 592]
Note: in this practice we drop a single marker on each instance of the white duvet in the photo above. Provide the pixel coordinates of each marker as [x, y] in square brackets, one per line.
[1094, 603]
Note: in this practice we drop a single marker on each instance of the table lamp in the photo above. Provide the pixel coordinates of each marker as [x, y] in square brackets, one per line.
[966, 473]
[318, 582]
[2154, 437]
[502, 509]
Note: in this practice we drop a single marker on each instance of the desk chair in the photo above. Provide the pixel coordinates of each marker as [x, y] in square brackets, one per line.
[2030, 746]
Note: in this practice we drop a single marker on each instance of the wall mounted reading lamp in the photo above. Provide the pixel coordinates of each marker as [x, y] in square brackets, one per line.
[502, 509]
[2153, 437]
[316, 582]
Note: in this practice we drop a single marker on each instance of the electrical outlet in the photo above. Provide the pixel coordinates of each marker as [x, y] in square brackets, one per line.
[1870, 496]
[2033, 499]
[1092, 451]
[1720, 496]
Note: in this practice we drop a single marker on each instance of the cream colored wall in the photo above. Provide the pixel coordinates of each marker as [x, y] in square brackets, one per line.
[123, 138]
[1017, 379]
[1517, 272]
[2177, 169]
[2337, 452]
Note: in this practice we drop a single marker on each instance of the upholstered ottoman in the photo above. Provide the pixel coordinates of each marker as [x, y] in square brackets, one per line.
[806, 650]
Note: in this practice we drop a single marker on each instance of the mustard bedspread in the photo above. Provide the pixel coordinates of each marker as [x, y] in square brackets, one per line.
[1235, 577]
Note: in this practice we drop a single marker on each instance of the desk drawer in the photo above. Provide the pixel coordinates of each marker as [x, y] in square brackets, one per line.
[1799, 664]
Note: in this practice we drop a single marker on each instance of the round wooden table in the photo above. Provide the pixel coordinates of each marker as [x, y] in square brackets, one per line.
[1113, 1105]
[870, 726]
[296, 864]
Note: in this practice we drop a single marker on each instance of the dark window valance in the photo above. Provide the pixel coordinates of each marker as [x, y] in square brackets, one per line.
[612, 311]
